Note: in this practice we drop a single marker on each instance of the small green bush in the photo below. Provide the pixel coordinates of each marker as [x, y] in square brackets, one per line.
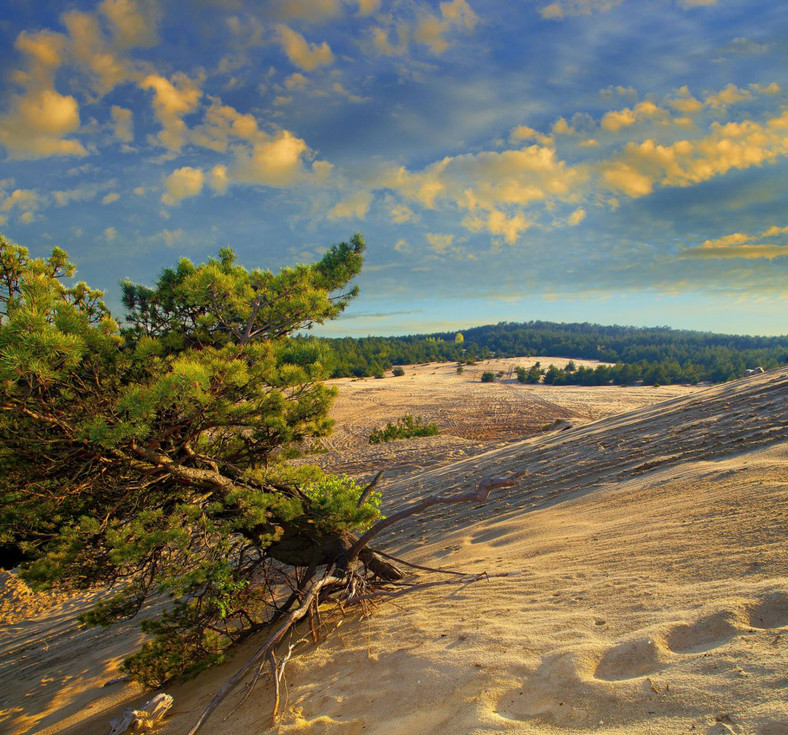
[406, 427]
[488, 376]
[397, 371]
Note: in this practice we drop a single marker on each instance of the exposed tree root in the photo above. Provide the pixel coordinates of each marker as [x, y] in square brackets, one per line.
[345, 584]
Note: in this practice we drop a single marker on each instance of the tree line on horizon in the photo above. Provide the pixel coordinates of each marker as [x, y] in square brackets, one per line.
[653, 355]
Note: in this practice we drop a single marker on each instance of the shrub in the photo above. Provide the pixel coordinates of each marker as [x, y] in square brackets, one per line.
[406, 427]
[397, 371]
[488, 376]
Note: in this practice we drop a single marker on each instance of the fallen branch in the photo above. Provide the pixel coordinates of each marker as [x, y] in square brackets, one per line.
[467, 579]
[479, 495]
[310, 593]
[352, 589]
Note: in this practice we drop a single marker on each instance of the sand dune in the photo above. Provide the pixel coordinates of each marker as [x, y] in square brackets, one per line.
[647, 593]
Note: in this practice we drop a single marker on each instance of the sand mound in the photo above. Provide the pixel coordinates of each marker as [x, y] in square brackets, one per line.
[648, 594]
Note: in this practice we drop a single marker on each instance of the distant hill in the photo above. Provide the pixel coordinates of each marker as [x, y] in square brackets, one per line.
[649, 354]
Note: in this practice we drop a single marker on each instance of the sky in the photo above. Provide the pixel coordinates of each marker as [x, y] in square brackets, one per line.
[610, 161]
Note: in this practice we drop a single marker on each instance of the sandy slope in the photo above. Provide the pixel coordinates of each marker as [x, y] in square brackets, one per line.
[648, 593]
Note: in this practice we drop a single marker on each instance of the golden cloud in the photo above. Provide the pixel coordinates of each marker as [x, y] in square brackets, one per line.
[741, 245]
[38, 120]
[355, 206]
[305, 55]
[181, 184]
[172, 100]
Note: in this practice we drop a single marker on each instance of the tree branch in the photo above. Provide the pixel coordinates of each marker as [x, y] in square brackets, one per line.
[310, 594]
[479, 495]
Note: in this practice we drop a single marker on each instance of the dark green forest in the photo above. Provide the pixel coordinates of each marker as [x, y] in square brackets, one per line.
[653, 355]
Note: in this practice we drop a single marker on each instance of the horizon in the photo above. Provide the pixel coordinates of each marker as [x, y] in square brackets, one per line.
[600, 161]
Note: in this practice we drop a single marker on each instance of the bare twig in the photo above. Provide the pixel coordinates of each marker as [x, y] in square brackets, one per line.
[438, 570]
[469, 579]
[293, 616]
[479, 495]
[369, 488]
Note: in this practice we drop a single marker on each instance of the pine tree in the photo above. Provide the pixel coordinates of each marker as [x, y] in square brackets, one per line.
[145, 457]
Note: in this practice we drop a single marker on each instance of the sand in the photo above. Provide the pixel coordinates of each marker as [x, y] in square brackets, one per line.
[647, 593]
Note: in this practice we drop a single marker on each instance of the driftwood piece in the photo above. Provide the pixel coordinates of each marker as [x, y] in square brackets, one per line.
[142, 720]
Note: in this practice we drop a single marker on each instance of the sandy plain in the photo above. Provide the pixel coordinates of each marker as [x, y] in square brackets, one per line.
[646, 555]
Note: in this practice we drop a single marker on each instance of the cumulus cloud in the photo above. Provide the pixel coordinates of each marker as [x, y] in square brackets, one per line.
[276, 160]
[355, 206]
[439, 243]
[577, 216]
[730, 95]
[523, 132]
[493, 188]
[110, 233]
[615, 120]
[92, 52]
[221, 124]
[24, 200]
[38, 120]
[181, 184]
[172, 237]
[172, 100]
[305, 55]
[77, 194]
[111, 198]
[734, 145]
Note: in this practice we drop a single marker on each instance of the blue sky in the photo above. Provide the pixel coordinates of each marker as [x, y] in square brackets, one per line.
[617, 161]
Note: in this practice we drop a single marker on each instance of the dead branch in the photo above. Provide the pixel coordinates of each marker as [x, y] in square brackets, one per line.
[469, 579]
[369, 488]
[353, 589]
[437, 570]
[479, 495]
[310, 593]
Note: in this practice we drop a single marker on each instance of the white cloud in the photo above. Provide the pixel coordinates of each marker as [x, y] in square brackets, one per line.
[110, 233]
[110, 198]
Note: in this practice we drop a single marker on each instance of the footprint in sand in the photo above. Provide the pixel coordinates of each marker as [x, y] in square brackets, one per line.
[631, 659]
[705, 634]
[771, 612]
